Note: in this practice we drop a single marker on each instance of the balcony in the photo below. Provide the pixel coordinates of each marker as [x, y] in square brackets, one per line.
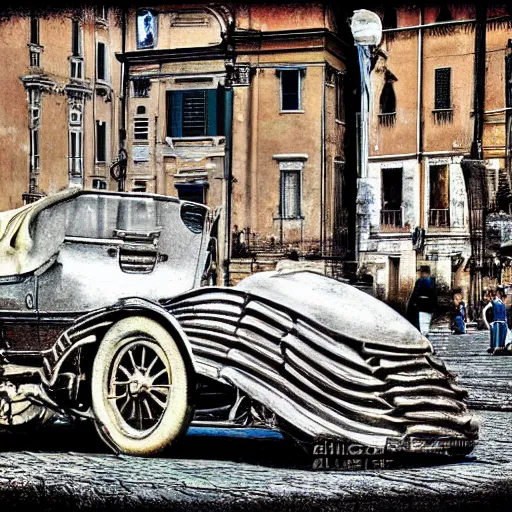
[439, 218]
[387, 119]
[391, 221]
[190, 148]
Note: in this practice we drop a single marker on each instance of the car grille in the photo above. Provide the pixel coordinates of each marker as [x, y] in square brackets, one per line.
[137, 260]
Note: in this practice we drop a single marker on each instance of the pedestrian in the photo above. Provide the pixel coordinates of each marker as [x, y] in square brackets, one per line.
[498, 328]
[460, 316]
[423, 301]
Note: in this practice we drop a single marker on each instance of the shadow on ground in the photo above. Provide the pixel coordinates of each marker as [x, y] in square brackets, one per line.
[251, 446]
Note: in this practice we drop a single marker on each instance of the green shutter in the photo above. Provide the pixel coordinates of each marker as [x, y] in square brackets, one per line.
[212, 112]
[176, 113]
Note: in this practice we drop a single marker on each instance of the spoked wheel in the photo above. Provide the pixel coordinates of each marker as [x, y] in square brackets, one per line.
[139, 387]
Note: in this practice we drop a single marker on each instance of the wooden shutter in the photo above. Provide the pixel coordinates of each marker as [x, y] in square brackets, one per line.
[174, 113]
[443, 88]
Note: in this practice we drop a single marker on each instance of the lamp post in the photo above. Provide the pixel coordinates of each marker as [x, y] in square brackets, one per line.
[366, 30]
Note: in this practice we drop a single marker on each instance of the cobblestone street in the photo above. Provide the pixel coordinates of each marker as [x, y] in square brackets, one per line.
[217, 472]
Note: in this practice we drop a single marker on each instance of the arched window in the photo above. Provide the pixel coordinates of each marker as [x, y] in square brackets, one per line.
[141, 110]
[389, 20]
[444, 14]
[388, 101]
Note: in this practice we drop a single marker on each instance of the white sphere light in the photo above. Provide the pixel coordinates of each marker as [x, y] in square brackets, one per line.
[366, 27]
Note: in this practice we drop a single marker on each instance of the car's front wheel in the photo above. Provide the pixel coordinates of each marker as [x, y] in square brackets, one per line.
[139, 387]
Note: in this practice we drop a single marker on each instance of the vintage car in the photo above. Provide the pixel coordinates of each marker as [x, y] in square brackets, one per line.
[103, 316]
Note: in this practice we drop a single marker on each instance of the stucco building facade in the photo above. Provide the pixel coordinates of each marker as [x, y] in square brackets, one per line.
[60, 110]
[413, 207]
[240, 106]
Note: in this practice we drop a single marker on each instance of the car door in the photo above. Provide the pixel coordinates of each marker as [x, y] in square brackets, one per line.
[18, 313]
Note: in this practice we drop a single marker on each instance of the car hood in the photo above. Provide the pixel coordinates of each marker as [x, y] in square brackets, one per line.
[336, 306]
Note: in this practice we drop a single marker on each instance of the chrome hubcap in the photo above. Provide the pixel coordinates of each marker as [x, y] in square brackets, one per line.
[140, 384]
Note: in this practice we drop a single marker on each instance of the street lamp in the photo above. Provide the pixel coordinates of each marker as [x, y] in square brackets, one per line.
[366, 30]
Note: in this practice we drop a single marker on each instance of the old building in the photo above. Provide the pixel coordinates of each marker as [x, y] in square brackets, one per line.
[413, 202]
[240, 106]
[60, 109]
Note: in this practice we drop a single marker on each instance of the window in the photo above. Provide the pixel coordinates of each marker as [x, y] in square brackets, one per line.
[340, 100]
[388, 101]
[391, 212]
[340, 232]
[146, 29]
[139, 186]
[290, 90]
[193, 192]
[34, 47]
[34, 58]
[76, 39]
[444, 14]
[34, 30]
[76, 67]
[141, 110]
[35, 116]
[141, 87]
[141, 126]
[101, 63]
[101, 141]
[439, 213]
[101, 12]
[290, 193]
[508, 76]
[34, 98]
[99, 184]
[34, 150]
[389, 20]
[193, 113]
[75, 153]
[75, 117]
[442, 100]
[443, 88]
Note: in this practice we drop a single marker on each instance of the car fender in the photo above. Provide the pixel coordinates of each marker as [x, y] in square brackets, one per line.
[90, 328]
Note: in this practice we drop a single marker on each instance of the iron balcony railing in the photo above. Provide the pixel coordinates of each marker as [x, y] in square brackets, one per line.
[391, 218]
[439, 217]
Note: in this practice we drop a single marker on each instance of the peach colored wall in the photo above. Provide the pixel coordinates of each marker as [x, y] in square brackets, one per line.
[14, 139]
[55, 38]
[268, 17]
[400, 138]
[454, 50]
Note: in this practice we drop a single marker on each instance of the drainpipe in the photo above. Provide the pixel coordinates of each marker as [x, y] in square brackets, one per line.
[479, 81]
[474, 169]
[228, 176]
[123, 82]
[419, 122]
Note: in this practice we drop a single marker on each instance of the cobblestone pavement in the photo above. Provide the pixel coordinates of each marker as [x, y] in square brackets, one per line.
[219, 473]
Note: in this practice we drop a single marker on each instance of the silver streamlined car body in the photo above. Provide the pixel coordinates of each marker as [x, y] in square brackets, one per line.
[103, 317]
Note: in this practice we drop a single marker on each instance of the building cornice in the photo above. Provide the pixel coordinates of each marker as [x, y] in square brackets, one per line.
[157, 56]
[168, 55]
